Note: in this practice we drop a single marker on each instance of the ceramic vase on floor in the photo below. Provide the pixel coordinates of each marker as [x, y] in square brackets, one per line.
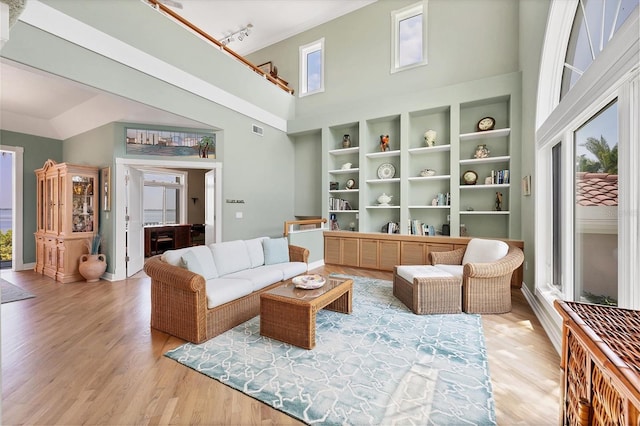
[92, 266]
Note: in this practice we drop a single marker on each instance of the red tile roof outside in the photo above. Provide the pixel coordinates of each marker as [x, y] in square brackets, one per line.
[596, 189]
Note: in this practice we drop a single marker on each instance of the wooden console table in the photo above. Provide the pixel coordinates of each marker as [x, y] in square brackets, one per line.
[601, 363]
[384, 251]
[159, 238]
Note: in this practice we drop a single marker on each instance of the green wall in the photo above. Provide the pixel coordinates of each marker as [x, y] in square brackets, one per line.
[37, 150]
[467, 40]
[533, 19]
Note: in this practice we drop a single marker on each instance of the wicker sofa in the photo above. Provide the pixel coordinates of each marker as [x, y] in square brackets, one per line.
[202, 291]
[486, 286]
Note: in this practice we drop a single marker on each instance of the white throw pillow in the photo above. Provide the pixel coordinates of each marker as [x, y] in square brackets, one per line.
[202, 253]
[256, 252]
[484, 251]
[230, 257]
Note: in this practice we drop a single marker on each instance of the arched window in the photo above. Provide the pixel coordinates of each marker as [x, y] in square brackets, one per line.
[587, 154]
[594, 24]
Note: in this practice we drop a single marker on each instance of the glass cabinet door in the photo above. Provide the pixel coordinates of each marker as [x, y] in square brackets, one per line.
[83, 206]
[51, 195]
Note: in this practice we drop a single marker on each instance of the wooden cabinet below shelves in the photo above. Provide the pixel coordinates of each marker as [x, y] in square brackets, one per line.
[382, 255]
[384, 251]
[342, 251]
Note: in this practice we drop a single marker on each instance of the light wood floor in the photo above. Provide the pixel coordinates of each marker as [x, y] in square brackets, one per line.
[84, 354]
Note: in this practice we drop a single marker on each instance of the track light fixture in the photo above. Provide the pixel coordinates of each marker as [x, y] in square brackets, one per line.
[239, 35]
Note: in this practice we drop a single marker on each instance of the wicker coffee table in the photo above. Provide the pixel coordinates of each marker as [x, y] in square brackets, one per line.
[288, 313]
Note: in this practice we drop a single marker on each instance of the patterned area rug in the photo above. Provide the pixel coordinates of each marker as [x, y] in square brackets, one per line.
[12, 293]
[380, 365]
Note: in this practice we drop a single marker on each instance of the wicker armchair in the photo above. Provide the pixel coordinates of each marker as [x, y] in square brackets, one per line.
[486, 287]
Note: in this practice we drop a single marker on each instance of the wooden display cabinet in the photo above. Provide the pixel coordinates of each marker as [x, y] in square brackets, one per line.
[67, 217]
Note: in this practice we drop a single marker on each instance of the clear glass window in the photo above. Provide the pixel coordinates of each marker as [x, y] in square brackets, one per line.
[594, 24]
[312, 68]
[164, 198]
[408, 28]
[596, 209]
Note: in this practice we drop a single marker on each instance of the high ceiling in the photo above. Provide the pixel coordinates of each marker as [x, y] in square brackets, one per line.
[272, 20]
[38, 103]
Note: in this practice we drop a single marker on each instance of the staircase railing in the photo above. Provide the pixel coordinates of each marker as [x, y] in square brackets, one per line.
[222, 47]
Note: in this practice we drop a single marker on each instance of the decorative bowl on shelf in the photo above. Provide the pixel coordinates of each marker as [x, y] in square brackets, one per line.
[384, 199]
[427, 172]
[346, 166]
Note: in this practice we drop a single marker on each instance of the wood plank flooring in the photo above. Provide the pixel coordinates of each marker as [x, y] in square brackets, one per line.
[83, 353]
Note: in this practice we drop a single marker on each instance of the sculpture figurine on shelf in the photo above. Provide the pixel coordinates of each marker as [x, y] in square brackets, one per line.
[346, 141]
[384, 142]
[481, 151]
[498, 201]
[430, 137]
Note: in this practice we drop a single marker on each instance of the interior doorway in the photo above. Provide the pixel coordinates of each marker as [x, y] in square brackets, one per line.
[129, 222]
[6, 209]
[11, 202]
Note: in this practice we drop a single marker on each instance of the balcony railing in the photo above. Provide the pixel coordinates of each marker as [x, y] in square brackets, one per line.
[218, 44]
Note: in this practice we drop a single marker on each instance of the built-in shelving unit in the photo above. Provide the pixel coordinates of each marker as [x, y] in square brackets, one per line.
[426, 186]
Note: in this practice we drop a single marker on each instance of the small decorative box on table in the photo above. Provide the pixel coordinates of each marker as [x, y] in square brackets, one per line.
[601, 362]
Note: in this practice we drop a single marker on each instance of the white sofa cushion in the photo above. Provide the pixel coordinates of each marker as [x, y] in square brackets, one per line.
[276, 250]
[230, 257]
[454, 270]
[409, 272]
[223, 290]
[201, 253]
[259, 277]
[484, 251]
[289, 269]
[256, 252]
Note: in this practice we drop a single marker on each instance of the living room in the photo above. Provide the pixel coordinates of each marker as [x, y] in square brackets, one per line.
[498, 50]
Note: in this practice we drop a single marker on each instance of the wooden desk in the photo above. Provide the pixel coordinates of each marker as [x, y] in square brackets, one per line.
[159, 238]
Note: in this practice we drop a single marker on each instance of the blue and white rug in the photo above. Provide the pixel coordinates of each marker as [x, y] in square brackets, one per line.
[380, 365]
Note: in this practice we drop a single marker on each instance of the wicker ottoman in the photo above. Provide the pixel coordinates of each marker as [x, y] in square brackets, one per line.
[426, 289]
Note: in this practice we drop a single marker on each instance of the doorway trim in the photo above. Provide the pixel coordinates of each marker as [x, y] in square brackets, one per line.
[119, 223]
[17, 207]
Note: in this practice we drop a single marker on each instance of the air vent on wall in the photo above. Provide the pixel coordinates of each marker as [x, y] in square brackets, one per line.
[257, 130]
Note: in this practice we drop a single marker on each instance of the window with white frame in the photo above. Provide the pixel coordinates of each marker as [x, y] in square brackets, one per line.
[587, 232]
[312, 68]
[164, 197]
[408, 37]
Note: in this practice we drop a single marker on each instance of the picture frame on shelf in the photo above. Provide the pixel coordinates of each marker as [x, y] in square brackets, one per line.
[266, 68]
[105, 188]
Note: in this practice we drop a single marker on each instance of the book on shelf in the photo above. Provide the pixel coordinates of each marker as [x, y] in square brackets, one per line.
[500, 176]
[339, 204]
[416, 227]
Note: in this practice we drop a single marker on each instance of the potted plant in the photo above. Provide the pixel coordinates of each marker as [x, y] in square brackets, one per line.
[206, 143]
[93, 265]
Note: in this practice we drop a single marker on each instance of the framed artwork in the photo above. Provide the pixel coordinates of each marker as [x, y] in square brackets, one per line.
[267, 67]
[526, 185]
[105, 188]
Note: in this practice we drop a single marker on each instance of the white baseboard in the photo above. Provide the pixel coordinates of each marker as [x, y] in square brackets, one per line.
[551, 325]
[316, 264]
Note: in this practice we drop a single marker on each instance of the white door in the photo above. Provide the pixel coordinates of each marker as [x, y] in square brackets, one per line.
[134, 185]
[210, 207]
